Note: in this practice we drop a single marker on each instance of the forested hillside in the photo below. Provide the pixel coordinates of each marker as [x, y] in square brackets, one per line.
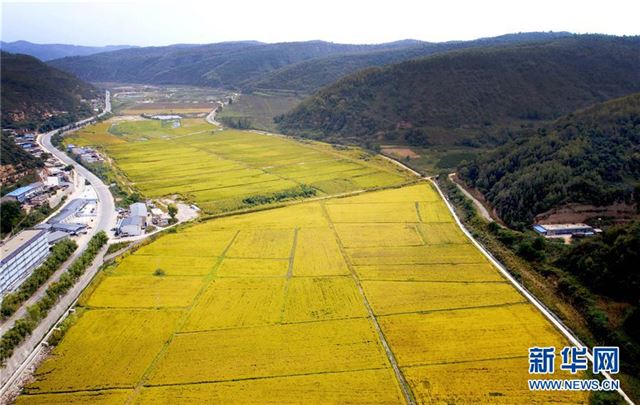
[35, 95]
[308, 76]
[47, 52]
[248, 66]
[226, 64]
[590, 157]
[471, 96]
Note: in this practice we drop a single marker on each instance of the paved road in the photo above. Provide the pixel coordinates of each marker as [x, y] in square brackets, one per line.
[482, 210]
[106, 217]
[105, 220]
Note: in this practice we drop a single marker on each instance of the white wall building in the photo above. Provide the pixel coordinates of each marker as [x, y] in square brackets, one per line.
[20, 255]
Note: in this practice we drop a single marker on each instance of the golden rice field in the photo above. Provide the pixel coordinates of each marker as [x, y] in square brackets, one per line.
[296, 305]
[219, 169]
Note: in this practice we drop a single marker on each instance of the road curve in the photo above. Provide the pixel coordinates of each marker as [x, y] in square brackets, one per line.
[482, 210]
[105, 220]
[106, 215]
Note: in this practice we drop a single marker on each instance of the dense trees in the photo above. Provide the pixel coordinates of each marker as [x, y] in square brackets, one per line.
[31, 91]
[590, 157]
[473, 96]
[608, 263]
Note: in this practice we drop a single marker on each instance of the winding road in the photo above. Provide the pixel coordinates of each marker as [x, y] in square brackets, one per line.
[105, 220]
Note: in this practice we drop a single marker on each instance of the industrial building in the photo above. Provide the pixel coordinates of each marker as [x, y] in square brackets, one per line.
[68, 212]
[135, 223]
[563, 230]
[20, 255]
[22, 194]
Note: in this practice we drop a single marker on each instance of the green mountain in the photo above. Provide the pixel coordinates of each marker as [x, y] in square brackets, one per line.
[249, 66]
[589, 157]
[470, 96]
[47, 52]
[35, 95]
[309, 76]
[227, 64]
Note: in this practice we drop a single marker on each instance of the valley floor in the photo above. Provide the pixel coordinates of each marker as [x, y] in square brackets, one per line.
[373, 298]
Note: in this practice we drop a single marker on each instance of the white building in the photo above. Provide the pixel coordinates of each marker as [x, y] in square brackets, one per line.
[20, 255]
[135, 223]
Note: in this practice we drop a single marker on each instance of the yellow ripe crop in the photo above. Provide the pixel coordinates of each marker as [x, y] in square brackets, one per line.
[220, 169]
[144, 265]
[317, 253]
[262, 244]
[378, 235]
[445, 336]
[189, 244]
[253, 268]
[501, 381]
[236, 302]
[145, 292]
[373, 213]
[271, 306]
[106, 397]
[271, 351]
[351, 387]
[429, 272]
[439, 233]
[105, 349]
[448, 254]
[321, 298]
[434, 212]
[392, 297]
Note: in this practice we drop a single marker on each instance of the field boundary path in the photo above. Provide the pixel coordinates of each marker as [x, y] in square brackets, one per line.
[402, 381]
[557, 323]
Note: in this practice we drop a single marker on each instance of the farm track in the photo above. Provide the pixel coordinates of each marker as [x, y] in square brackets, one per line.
[406, 389]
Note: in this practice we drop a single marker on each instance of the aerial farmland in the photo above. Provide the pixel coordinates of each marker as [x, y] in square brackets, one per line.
[372, 298]
[221, 170]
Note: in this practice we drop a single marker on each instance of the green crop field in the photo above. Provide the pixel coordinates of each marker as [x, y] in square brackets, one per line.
[257, 110]
[284, 305]
[231, 169]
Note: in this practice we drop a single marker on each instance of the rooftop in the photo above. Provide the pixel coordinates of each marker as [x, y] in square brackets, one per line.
[138, 209]
[132, 220]
[24, 189]
[74, 206]
[19, 242]
[555, 227]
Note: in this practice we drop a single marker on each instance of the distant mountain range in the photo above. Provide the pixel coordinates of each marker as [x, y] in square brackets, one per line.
[46, 52]
[588, 157]
[311, 75]
[249, 65]
[470, 96]
[37, 96]
[226, 64]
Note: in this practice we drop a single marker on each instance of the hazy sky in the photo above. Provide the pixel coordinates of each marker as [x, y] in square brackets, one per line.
[167, 22]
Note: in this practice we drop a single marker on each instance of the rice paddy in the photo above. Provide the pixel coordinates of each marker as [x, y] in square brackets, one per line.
[296, 304]
[222, 170]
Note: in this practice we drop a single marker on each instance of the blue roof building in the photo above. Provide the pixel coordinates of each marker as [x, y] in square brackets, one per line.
[23, 193]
